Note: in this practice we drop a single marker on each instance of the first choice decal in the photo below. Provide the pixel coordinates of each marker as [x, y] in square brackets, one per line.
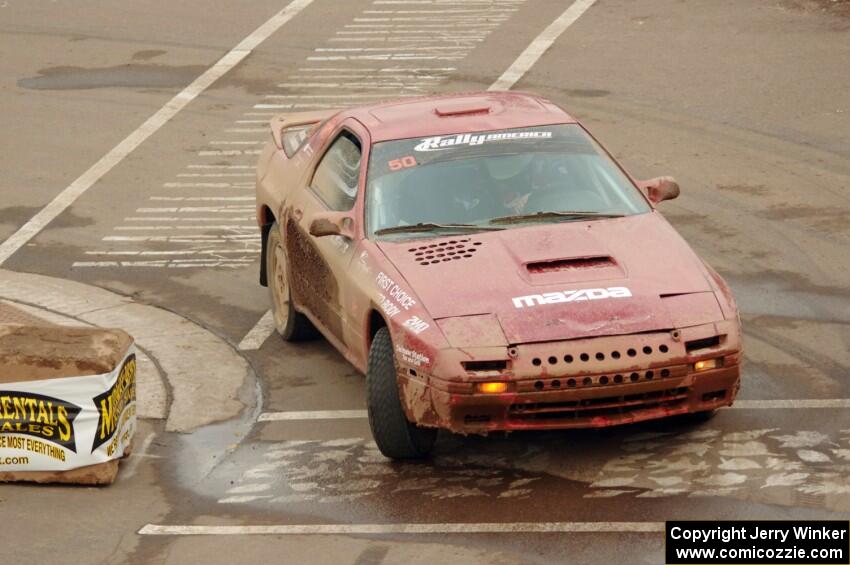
[445, 142]
[398, 299]
[571, 296]
[112, 403]
[400, 296]
[39, 416]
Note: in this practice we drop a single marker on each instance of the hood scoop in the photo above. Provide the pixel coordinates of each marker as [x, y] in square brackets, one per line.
[583, 269]
[553, 266]
[445, 251]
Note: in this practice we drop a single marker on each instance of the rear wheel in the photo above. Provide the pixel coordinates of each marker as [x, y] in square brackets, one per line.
[290, 324]
[396, 437]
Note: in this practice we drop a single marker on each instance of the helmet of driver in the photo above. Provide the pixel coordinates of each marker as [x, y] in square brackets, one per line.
[504, 167]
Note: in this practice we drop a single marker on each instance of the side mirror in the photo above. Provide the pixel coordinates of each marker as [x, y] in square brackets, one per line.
[332, 223]
[660, 189]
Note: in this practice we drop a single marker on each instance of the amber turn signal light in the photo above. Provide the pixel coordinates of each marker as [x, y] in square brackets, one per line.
[707, 364]
[492, 388]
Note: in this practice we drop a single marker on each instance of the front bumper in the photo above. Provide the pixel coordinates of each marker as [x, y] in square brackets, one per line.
[588, 383]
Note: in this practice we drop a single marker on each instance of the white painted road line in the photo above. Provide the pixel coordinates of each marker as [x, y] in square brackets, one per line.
[311, 415]
[808, 403]
[186, 237]
[329, 96]
[117, 154]
[182, 219]
[216, 175]
[382, 70]
[129, 468]
[196, 185]
[303, 106]
[540, 44]
[787, 404]
[519, 67]
[247, 227]
[229, 209]
[438, 528]
[251, 167]
[203, 198]
[258, 334]
[144, 252]
[228, 152]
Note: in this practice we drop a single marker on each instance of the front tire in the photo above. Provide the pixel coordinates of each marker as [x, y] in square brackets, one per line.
[396, 437]
[289, 323]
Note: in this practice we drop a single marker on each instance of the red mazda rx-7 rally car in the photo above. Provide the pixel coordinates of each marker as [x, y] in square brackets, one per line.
[488, 266]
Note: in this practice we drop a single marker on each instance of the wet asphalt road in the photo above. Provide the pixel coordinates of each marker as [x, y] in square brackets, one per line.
[746, 104]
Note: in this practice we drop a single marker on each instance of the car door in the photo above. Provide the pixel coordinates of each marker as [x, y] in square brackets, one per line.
[318, 264]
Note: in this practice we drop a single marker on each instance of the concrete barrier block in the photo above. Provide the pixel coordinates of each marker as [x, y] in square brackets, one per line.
[67, 403]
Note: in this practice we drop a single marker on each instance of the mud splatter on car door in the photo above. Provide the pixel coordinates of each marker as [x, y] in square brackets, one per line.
[319, 262]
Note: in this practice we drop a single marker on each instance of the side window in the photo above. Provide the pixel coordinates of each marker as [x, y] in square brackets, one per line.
[336, 176]
[293, 138]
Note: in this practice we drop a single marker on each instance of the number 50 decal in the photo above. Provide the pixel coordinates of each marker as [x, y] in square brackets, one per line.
[403, 163]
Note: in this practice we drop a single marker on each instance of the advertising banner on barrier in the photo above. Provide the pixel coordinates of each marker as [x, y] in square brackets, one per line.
[66, 423]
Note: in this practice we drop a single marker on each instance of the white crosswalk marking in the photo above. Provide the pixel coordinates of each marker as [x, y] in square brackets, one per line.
[392, 49]
[442, 528]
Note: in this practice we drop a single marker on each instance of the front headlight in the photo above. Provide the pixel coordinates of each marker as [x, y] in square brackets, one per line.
[708, 364]
[492, 387]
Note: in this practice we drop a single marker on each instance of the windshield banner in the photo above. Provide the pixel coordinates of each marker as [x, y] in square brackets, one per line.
[404, 154]
[444, 142]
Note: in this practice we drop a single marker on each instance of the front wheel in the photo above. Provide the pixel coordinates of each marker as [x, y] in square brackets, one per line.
[289, 323]
[396, 437]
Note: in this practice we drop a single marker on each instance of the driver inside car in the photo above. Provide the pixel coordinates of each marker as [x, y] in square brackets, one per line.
[511, 179]
[451, 197]
[530, 183]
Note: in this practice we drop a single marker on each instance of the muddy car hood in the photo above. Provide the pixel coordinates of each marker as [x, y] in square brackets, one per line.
[527, 276]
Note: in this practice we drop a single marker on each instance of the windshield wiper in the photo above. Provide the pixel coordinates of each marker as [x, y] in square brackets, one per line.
[576, 214]
[428, 226]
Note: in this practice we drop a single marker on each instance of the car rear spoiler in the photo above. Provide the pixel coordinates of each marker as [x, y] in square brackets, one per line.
[282, 122]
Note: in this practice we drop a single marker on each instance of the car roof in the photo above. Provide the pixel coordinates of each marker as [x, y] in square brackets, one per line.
[456, 113]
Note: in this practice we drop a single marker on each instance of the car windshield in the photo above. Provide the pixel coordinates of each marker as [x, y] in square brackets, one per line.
[505, 178]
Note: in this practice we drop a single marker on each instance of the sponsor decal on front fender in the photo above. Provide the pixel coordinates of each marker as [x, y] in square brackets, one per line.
[411, 357]
[571, 296]
[416, 324]
[399, 296]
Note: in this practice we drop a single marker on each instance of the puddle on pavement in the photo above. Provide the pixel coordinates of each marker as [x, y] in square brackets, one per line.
[791, 467]
[773, 465]
[146, 75]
